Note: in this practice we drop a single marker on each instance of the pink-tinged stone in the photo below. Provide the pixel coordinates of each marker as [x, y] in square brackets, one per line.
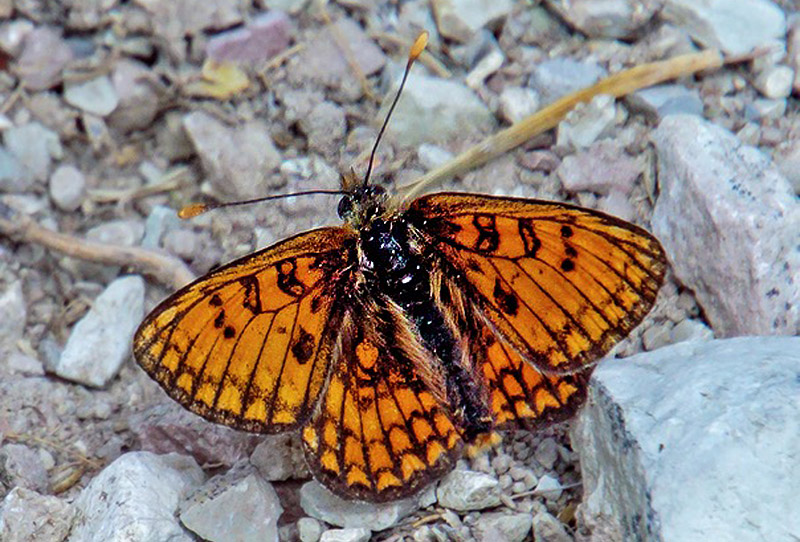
[264, 37]
[44, 55]
[603, 168]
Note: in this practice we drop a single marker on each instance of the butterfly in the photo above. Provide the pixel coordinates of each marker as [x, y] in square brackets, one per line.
[412, 330]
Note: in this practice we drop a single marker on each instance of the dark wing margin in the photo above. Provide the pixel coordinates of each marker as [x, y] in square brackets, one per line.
[559, 283]
[249, 344]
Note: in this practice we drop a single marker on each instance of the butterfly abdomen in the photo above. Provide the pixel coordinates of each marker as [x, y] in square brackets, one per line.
[396, 271]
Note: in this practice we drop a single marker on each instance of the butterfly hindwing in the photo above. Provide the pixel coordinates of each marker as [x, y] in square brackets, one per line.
[248, 345]
[560, 284]
[380, 431]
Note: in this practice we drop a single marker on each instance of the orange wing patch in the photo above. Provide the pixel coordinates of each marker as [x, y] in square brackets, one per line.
[561, 284]
[248, 345]
[379, 433]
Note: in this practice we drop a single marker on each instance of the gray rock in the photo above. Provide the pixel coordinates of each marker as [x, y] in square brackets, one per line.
[44, 56]
[460, 19]
[734, 27]
[309, 529]
[793, 49]
[18, 363]
[511, 527]
[182, 243]
[663, 100]
[516, 103]
[611, 19]
[325, 128]
[323, 505]
[161, 220]
[124, 233]
[21, 466]
[693, 442]
[360, 534]
[33, 146]
[13, 314]
[588, 122]
[239, 507]
[12, 35]
[169, 428]
[547, 528]
[292, 7]
[690, 330]
[67, 188]
[603, 168]
[27, 516]
[787, 159]
[465, 490]
[455, 110]
[96, 96]
[554, 78]
[549, 487]
[322, 61]
[13, 177]
[265, 36]
[136, 88]
[735, 222]
[238, 159]
[135, 498]
[100, 342]
[173, 20]
[775, 82]
[280, 457]
[546, 453]
[431, 156]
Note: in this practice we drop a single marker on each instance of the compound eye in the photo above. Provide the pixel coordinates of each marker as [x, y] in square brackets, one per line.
[345, 207]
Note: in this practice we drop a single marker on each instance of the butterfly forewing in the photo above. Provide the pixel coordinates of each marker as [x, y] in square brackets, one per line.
[560, 284]
[248, 345]
[380, 433]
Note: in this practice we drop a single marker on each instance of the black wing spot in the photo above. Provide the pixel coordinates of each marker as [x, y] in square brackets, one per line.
[567, 265]
[316, 304]
[252, 294]
[215, 301]
[530, 241]
[507, 301]
[566, 231]
[219, 321]
[571, 252]
[303, 347]
[488, 238]
[229, 332]
[287, 279]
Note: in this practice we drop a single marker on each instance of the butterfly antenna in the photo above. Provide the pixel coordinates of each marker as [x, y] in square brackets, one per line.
[195, 209]
[416, 50]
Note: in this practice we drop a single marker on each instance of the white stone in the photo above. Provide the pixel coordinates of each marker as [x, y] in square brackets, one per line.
[465, 490]
[239, 159]
[229, 510]
[279, 457]
[135, 499]
[67, 188]
[27, 516]
[694, 442]
[511, 527]
[730, 224]
[775, 82]
[607, 19]
[588, 122]
[309, 529]
[549, 487]
[734, 27]
[13, 313]
[434, 110]
[96, 96]
[34, 146]
[547, 528]
[460, 19]
[318, 502]
[516, 103]
[346, 535]
[100, 341]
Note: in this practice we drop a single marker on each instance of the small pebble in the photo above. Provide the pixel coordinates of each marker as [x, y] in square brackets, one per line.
[309, 529]
[67, 188]
[775, 82]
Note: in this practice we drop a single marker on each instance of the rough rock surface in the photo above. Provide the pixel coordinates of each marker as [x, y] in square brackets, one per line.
[694, 442]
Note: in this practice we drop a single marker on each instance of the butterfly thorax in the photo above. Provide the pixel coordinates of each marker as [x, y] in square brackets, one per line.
[395, 267]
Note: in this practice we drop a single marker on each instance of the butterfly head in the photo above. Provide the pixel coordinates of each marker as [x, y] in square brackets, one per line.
[362, 204]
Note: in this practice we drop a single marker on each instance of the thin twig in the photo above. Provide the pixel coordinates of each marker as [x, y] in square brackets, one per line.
[617, 85]
[166, 269]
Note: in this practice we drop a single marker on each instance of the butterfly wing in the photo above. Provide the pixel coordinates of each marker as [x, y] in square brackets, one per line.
[382, 431]
[249, 344]
[559, 283]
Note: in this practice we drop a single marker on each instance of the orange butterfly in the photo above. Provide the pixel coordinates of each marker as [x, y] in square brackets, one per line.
[395, 339]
